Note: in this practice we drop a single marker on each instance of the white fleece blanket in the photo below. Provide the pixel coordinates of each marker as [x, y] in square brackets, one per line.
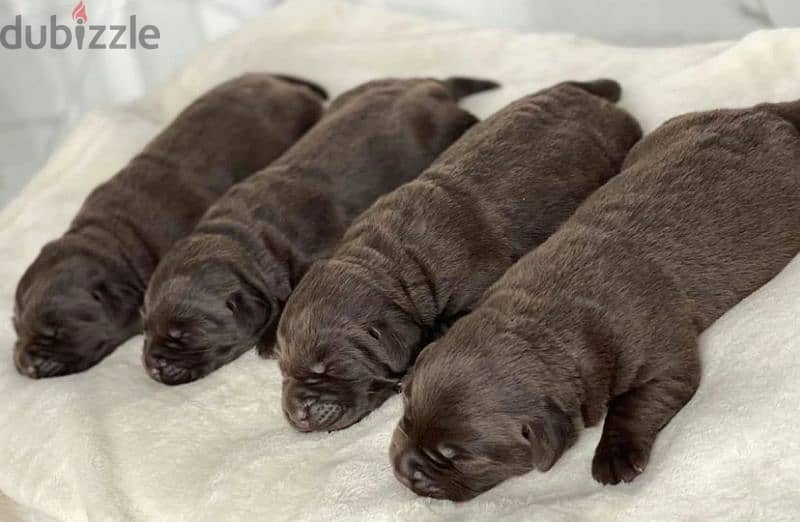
[111, 444]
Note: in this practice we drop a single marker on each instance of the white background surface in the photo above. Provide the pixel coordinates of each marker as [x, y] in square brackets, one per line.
[44, 93]
[111, 444]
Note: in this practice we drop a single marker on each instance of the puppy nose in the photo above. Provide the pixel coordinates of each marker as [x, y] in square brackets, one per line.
[411, 469]
[323, 414]
[307, 411]
[163, 370]
[298, 412]
[34, 366]
[409, 463]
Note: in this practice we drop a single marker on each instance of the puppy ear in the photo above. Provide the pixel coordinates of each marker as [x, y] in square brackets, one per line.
[251, 312]
[549, 436]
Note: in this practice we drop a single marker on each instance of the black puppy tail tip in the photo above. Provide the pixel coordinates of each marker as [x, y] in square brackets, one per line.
[316, 88]
[460, 86]
[604, 88]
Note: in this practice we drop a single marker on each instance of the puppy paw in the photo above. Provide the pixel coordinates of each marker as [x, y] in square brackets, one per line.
[621, 460]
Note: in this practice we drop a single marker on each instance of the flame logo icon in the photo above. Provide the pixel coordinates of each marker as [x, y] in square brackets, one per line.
[79, 13]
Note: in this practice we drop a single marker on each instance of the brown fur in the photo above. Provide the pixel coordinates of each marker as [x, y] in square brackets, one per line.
[424, 254]
[80, 298]
[220, 291]
[605, 315]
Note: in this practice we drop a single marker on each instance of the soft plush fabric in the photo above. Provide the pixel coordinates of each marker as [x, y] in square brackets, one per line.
[111, 444]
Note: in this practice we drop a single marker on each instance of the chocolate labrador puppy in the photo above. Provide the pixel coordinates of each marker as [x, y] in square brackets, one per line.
[423, 255]
[604, 316]
[80, 298]
[220, 291]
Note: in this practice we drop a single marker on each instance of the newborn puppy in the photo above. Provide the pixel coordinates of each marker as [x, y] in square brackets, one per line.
[80, 298]
[604, 316]
[423, 255]
[220, 291]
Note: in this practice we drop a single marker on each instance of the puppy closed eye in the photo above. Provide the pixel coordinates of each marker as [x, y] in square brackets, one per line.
[460, 457]
[443, 455]
[175, 333]
[374, 333]
[48, 331]
[175, 337]
[447, 452]
[325, 371]
[47, 336]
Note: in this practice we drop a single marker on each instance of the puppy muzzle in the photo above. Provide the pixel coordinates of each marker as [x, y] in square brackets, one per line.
[167, 370]
[413, 470]
[308, 410]
[36, 367]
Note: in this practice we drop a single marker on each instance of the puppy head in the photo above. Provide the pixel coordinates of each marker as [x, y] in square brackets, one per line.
[71, 309]
[471, 421]
[342, 347]
[203, 308]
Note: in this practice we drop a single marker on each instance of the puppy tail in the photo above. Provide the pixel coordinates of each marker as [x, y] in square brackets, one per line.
[460, 86]
[317, 89]
[604, 88]
[789, 111]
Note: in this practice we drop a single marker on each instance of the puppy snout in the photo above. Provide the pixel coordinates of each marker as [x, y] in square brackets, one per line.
[163, 370]
[409, 465]
[297, 408]
[412, 469]
[323, 414]
[308, 411]
[35, 366]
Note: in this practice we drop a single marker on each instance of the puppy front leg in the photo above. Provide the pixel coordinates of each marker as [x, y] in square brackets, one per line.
[634, 420]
